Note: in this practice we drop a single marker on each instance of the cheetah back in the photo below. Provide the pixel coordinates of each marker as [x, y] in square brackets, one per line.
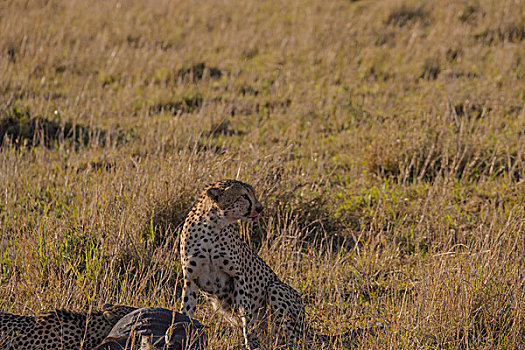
[59, 329]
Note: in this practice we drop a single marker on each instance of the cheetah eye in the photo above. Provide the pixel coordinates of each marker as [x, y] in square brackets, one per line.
[246, 197]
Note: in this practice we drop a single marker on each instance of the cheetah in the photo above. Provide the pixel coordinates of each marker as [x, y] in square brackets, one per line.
[59, 329]
[217, 262]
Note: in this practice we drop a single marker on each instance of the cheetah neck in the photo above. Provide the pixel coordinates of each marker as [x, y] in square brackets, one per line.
[206, 216]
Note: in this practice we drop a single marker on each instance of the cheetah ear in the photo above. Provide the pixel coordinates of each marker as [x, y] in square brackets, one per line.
[110, 316]
[214, 193]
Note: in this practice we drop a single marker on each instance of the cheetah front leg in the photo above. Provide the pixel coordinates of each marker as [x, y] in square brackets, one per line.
[192, 268]
[251, 341]
[230, 266]
[287, 312]
[189, 298]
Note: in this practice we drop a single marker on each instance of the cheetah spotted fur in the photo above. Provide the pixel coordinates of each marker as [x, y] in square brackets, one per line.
[59, 329]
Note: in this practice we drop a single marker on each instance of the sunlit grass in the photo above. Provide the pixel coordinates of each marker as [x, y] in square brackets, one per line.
[385, 140]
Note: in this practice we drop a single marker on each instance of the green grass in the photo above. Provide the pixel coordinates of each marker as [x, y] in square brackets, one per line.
[385, 140]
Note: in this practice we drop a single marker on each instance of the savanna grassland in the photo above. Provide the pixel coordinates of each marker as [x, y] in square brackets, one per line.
[386, 140]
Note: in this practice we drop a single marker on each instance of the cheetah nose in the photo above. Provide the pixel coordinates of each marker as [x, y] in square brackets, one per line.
[258, 208]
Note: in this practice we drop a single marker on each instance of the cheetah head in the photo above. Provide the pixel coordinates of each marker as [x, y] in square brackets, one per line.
[235, 199]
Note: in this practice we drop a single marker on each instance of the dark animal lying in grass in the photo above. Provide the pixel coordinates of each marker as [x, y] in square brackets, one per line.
[155, 328]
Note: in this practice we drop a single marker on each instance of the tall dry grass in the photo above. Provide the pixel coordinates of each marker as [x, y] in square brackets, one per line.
[385, 139]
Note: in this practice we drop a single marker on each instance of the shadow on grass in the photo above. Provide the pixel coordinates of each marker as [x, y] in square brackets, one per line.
[20, 128]
[512, 32]
[188, 104]
[430, 160]
[405, 15]
[198, 72]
